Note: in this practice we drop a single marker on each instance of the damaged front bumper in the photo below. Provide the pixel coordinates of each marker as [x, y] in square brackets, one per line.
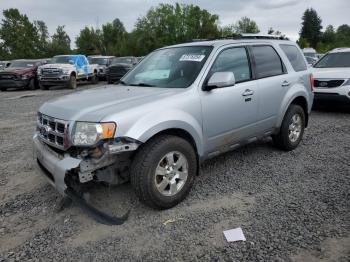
[70, 175]
[52, 165]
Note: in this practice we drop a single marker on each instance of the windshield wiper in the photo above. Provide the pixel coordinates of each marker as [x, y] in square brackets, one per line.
[142, 84]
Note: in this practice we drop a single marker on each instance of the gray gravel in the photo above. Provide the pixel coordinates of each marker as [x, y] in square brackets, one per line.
[292, 206]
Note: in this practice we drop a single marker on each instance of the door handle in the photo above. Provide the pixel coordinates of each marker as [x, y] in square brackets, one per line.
[285, 83]
[248, 92]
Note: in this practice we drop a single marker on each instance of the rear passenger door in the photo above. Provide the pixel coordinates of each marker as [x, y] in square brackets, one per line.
[273, 82]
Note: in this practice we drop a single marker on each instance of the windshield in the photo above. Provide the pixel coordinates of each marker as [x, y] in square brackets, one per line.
[24, 64]
[59, 60]
[98, 60]
[122, 60]
[175, 67]
[334, 60]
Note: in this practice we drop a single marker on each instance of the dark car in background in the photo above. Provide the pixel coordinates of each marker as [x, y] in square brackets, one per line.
[20, 74]
[119, 67]
[103, 62]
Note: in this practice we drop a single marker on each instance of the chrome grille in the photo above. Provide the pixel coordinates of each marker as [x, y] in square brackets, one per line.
[328, 83]
[53, 131]
[51, 71]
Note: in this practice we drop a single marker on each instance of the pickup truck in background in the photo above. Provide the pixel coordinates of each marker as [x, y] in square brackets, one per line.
[20, 74]
[103, 62]
[118, 67]
[67, 70]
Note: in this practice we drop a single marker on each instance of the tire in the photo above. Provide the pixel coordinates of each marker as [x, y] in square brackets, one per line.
[291, 133]
[31, 85]
[109, 81]
[94, 78]
[43, 87]
[154, 156]
[72, 83]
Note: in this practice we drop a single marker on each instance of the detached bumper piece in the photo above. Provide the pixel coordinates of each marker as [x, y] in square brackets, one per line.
[98, 215]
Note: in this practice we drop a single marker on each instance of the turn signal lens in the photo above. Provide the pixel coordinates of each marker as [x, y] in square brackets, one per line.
[108, 130]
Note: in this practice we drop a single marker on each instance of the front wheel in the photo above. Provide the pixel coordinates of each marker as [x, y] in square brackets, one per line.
[94, 78]
[292, 128]
[72, 83]
[163, 171]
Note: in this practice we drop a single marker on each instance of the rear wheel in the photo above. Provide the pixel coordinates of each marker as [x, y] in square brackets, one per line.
[72, 83]
[292, 128]
[163, 171]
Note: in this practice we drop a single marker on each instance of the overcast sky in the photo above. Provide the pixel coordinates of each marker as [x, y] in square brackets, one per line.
[282, 15]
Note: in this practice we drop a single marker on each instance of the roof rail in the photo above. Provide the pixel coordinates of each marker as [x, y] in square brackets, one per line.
[245, 36]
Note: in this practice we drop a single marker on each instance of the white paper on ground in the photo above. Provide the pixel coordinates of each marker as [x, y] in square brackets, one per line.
[235, 234]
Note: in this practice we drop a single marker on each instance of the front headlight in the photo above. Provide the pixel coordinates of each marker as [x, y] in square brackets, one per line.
[65, 71]
[347, 82]
[87, 134]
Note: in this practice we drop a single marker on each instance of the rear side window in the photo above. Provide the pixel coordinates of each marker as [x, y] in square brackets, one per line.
[267, 61]
[295, 57]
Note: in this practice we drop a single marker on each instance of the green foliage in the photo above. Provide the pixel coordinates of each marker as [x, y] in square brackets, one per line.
[19, 36]
[60, 42]
[303, 43]
[311, 27]
[171, 24]
[89, 41]
[246, 25]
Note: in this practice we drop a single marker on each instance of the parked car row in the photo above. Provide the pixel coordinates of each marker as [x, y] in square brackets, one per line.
[66, 70]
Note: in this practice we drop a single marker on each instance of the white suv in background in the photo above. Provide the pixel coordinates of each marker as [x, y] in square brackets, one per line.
[332, 76]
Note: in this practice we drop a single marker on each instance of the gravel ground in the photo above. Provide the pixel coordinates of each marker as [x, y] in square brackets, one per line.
[292, 206]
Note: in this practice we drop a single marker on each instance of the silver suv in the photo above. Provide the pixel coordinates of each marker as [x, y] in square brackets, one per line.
[178, 107]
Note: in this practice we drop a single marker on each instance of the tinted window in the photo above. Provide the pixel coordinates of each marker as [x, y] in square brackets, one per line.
[233, 60]
[295, 57]
[334, 60]
[267, 61]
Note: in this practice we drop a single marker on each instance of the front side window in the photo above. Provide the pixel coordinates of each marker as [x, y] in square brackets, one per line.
[334, 60]
[267, 61]
[233, 60]
[295, 57]
[175, 67]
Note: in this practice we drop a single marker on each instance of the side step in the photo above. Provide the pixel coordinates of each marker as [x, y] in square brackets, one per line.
[98, 215]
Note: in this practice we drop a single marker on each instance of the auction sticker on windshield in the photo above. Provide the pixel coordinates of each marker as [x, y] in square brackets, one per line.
[189, 57]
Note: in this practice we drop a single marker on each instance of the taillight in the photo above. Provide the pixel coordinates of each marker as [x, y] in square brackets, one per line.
[312, 82]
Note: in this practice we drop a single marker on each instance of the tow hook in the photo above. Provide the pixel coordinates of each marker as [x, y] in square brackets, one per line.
[98, 215]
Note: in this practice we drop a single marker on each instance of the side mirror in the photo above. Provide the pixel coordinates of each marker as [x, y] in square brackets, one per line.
[219, 80]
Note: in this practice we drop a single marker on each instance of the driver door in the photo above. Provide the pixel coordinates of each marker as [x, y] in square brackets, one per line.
[230, 113]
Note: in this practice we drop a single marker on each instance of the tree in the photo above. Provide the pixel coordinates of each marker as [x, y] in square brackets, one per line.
[60, 42]
[89, 41]
[170, 24]
[19, 36]
[43, 38]
[311, 27]
[303, 43]
[246, 25]
[114, 38]
[343, 36]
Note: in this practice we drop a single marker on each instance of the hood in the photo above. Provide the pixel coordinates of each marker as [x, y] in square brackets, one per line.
[94, 104]
[336, 73]
[17, 70]
[63, 66]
